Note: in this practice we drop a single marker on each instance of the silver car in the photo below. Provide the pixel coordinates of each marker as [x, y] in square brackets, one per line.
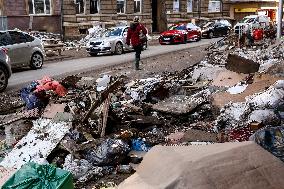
[5, 69]
[111, 41]
[23, 49]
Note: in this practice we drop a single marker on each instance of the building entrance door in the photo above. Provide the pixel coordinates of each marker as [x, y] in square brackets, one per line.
[159, 16]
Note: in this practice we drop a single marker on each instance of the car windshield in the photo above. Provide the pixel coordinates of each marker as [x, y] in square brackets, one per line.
[180, 27]
[113, 32]
[247, 20]
[206, 24]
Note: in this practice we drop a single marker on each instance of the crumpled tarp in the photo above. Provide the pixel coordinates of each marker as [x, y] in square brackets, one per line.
[271, 139]
[34, 176]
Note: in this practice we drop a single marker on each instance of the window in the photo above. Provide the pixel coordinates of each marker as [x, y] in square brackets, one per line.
[120, 6]
[176, 6]
[5, 39]
[137, 6]
[189, 6]
[17, 37]
[39, 7]
[94, 6]
[196, 5]
[214, 6]
[29, 38]
[80, 6]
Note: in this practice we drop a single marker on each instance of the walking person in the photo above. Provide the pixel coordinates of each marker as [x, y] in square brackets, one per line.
[137, 36]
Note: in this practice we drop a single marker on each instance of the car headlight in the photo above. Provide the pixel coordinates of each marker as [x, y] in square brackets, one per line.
[176, 35]
[106, 43]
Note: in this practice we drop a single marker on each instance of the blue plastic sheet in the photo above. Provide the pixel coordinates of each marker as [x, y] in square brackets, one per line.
[29, 97]
[271, 139]
[140, 145]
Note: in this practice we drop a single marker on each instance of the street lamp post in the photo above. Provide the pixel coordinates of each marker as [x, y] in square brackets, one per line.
[280, 16]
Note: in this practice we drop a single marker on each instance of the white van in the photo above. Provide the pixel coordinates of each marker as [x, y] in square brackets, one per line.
[253, 21]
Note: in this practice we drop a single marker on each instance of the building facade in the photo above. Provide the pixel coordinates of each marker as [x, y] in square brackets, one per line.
[157, 15]
[80, 15]
[195, 10]
[242, 8]
[39, 15]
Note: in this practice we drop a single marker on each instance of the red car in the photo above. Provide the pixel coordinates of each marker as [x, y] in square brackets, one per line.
[181, 33]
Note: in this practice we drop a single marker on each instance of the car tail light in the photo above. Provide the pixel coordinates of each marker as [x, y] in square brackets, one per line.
[5, 50]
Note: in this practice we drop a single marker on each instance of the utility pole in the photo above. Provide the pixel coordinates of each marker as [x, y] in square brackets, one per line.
[279, 21]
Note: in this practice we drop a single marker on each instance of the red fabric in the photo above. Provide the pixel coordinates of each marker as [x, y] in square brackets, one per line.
[133, 35]
[47, 84]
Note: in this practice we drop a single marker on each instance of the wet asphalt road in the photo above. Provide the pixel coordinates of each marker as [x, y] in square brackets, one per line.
[68, 67]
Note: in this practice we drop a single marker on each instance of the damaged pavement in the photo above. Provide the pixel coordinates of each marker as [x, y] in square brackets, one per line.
[96, 128]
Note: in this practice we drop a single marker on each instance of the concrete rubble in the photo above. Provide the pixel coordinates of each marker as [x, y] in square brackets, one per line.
[100, 126]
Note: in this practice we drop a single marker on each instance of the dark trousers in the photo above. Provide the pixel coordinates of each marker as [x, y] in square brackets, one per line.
[138, 50]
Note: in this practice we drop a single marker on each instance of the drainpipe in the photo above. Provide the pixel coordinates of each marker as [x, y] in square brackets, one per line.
[279, 21]
[199, 9]
[62, 20]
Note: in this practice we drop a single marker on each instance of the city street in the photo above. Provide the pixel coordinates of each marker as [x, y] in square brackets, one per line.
[75, 66]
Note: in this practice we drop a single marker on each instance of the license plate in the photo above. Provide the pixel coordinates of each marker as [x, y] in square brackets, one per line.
[167, 39]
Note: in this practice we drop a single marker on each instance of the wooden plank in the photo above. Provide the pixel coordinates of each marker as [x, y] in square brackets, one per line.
[103, 96]
[105, 114]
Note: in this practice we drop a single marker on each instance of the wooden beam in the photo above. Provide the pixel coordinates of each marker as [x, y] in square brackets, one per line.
[103, 96]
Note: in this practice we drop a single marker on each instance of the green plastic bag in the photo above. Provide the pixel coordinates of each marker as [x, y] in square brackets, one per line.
[35, 176]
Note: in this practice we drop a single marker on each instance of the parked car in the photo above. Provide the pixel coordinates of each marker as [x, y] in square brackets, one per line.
[23, 49]
[5, 69]
[111, 41]
[215, 28]
[253, 21]
[180, 33]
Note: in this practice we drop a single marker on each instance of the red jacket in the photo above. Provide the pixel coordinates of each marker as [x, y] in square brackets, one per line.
[133, 34]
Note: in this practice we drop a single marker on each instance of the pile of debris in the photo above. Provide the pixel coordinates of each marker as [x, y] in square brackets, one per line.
[94, 127]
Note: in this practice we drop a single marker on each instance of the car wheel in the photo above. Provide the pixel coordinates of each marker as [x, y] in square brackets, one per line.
[118, 49]
[184, 40]
[198, 38]
[210, 35]
[3, 78]
[36, 61]
[93, 54]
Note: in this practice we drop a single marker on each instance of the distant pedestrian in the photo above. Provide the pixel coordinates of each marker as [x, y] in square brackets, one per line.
[137, 36]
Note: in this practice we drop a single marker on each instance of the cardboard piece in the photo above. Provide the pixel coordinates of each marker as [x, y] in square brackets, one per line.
[222, 166]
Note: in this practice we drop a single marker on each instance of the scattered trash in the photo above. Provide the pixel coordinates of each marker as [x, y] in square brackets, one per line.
[110, 152]
[140, 145]
[88, 126]
[237, 89]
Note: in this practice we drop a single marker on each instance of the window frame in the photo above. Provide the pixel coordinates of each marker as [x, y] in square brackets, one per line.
[214, 2]
[141, 2]
[177, 2]
[98, 5]
[33, 8]
[187, 7]
[84, 5]
[124, 5]
[20, 34]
